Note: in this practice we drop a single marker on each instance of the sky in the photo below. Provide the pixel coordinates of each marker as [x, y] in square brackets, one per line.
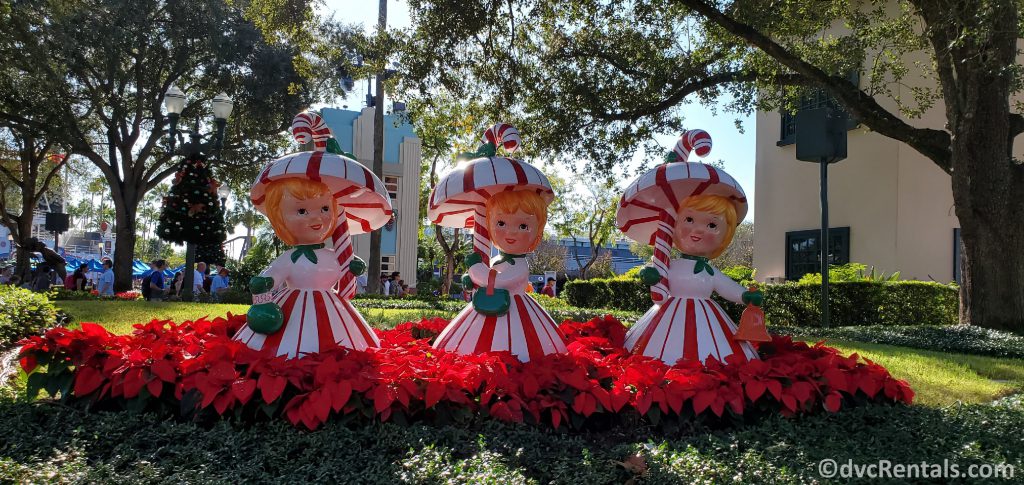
[735, 149]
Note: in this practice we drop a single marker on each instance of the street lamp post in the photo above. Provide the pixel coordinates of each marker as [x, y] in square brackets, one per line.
[174, 103]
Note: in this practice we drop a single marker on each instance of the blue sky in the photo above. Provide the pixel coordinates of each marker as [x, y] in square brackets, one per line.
[735, 149]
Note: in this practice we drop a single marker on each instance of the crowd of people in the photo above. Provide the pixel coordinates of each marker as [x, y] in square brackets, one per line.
[206, 280]
[44, 277]
[392, 285]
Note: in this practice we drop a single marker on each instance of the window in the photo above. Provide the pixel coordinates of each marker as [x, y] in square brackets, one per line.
[817, 98]
[391, 185]
[388, 264]
[802, 251]
[956, 255]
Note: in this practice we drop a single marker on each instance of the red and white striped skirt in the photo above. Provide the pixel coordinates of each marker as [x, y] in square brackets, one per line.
[526, 330]
[314, 320]
[687, 328]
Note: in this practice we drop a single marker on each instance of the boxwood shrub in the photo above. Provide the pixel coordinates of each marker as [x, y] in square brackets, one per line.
[23, 313]
[851, 303]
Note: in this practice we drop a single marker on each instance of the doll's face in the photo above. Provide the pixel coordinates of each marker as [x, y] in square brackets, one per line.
[699, 233]
[309, 220]
[515, 233]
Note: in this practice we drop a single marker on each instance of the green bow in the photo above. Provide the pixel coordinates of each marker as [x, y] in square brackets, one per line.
[504, 257]
[307, 250]
[700, 264]
[334, 147]
[486, 150]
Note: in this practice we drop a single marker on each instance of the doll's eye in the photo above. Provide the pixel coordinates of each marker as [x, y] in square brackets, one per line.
[689, 219]
[302, 212]
[522, 227]
[325, 209]
[501, 223]
[712, 225]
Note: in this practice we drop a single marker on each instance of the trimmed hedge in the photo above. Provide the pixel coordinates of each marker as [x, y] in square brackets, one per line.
[850, 303]
[23, 313]
[961, 339]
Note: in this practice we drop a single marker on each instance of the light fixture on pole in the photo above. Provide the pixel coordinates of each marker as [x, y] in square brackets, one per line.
[198, 146]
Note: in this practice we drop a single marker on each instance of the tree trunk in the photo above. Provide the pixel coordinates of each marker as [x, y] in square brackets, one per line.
[373, 281]
[987, 189]
[23, 266]
[124, 246]
[449, 259]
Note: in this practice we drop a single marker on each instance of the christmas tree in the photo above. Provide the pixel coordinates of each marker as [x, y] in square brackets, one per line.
[211, 253]
[192, 211]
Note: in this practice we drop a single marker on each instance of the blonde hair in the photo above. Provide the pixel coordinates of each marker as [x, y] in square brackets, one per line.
[511, 201]
[300, 189]
[718, 205]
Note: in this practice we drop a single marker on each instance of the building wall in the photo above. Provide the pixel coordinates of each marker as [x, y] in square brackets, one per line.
[354, 131]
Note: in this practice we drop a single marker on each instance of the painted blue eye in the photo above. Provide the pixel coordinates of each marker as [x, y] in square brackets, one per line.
[522, 227]
[325, 209]
[689, 219]
[501, 223]
[712, 225]
[302, 212]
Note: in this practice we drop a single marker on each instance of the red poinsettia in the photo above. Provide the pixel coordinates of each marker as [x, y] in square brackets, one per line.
[197, 363]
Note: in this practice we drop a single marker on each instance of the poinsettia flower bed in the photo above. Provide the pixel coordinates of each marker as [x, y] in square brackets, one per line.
[195, 370]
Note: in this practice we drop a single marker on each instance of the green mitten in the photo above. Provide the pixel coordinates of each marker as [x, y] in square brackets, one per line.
[473, 258]
[753, 297]
[265, 318]
[650, 276]
[467, 282]
[357, 266]
[260, 284]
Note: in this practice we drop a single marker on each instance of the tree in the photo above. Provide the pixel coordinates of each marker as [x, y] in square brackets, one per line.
[549, 256]
[446, 126]
[106, 64]
[741, 250]
[28, 167]
[589, 215]
[598, 78]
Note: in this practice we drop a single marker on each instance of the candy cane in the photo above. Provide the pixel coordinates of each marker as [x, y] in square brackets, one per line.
[695, 141]
[481, 236]
[310, 127]
[662, 241]
[698, 141]
[504, 135]
[342, 244]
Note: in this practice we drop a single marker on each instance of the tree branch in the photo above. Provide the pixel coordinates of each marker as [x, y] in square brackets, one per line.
[934, 144]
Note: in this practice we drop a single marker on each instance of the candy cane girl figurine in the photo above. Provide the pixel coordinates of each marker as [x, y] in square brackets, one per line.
[301, 301]
[505, 202]
[694, 207]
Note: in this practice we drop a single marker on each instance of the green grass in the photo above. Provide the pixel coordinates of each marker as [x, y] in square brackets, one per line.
[940, 378]
[119, 316]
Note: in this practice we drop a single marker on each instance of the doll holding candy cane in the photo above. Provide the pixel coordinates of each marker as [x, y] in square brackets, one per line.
[314, 201]
[505, 202]
[695, 208]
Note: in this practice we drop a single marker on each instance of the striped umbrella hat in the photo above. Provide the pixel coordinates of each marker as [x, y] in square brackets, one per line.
[661, 190]
[648, 208]
[359, 192]
[459, 198]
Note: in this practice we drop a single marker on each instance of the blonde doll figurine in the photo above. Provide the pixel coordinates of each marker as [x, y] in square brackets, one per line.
[314, 201]
[505, 202]
[695, 208]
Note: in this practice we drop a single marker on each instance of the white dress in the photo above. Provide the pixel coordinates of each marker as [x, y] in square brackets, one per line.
[315, 318]
[689, 324]
[526, 330]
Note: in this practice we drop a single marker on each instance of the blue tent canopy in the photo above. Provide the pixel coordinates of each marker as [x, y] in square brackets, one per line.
[139, 269]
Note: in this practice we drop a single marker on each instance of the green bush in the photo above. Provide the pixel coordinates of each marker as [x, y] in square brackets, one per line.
[59, 293]
[961, 339]
[850, 303]
[23, 313]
